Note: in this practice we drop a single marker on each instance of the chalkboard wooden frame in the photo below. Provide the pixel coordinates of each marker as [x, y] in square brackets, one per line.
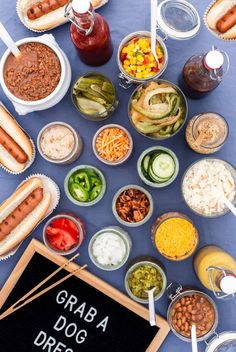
[37, 247]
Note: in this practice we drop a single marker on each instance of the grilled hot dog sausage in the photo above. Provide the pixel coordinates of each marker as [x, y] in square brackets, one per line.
[20, 212]
[12, 147]
[43, 7]
[227, 21]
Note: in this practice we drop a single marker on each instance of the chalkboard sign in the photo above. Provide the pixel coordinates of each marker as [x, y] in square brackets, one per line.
[82, 314]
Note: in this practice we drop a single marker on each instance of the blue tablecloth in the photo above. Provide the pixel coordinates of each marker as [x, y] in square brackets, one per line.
[125, 17]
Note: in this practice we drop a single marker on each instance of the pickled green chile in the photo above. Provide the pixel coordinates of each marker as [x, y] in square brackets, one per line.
[144, 278]
[85, 185]
[93, 95]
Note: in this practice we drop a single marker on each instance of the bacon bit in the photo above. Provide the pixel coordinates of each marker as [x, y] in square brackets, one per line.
[112, 144]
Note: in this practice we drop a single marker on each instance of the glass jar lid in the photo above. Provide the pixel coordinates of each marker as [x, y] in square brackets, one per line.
[178, 19]
[224, 342]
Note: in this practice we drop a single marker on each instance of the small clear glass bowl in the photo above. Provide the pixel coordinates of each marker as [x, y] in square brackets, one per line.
[137, 262]
[78, 225]
[127, 155]
[119, 232]
[156, 149]
[96, 200]
[229, 167]
[160, 220]
[162, 81]
[132, 224]
[96, 117]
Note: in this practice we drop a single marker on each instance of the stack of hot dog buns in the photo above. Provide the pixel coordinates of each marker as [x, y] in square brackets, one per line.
[21, 212]
[221, 18]
[16, 149]
[46, 14]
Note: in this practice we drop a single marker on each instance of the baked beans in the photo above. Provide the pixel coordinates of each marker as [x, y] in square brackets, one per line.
[192, 309]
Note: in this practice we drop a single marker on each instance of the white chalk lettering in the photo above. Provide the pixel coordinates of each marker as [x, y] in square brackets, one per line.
[80, 309]
[89, 317]
[71, 302]
[61, 320]
[73, 330]
[61, 297]
[43, 336]
[80, 339]
[103, 324]
[58, 347]
[49, 343]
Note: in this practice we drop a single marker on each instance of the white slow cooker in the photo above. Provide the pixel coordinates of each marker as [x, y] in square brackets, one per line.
[23, 107]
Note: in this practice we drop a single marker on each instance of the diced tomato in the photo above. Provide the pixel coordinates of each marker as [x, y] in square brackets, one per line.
[155, 69]
[123, 56]
[146, 60]
[61, 239]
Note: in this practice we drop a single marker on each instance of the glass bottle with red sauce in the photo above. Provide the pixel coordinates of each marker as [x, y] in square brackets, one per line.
[90, 34]
[204, 72]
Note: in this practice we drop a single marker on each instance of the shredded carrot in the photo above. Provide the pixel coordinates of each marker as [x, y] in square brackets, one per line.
[112, 144]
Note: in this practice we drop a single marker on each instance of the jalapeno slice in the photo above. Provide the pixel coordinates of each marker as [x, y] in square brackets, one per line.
[95, 192]
[83, 180]
[78, 192]
[95, 181]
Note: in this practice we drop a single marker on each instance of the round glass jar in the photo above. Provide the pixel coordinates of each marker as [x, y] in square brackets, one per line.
[174, 215]
[77, 222]
[179, 297]
[116, 197]
[206, 133]
[95, 116]
[135, 264]
[181, 94]
[125, 157]
[72, 155]
[123, 235]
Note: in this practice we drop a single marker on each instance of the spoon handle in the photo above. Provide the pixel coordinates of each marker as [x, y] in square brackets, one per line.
[229, 205]
[151, 306]
[6, 38]
[194, 338]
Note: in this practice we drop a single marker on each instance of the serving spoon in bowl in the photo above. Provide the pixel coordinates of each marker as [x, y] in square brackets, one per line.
[7, 39]
[151, 306]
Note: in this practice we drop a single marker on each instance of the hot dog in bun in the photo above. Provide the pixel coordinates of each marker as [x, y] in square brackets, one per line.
[15, 147]
[221, 18]
[42, 15]
[21, 212]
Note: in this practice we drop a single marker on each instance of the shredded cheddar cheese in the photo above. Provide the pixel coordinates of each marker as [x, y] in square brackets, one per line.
[176, 238]
[112, 144]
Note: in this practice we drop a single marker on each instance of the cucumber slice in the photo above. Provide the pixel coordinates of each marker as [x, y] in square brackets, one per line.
[145, 162]
[154, 177]
[163, 166]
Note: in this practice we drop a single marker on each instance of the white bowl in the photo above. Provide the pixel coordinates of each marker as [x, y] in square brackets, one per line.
[58, 93]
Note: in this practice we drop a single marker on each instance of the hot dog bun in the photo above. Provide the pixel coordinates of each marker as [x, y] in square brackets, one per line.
[23, 229]
[49, 20]
[216, 12]
[11, 127]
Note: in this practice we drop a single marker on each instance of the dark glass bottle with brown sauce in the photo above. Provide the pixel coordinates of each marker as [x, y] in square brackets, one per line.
[90, 34]
[203, 73]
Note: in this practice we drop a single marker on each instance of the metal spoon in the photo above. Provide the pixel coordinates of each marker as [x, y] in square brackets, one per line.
[228, 204]
[153, 29]
[194, 338]
[151, 306]
[6, 38]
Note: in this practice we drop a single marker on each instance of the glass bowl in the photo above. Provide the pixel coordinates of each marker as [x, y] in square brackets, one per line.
[230, 168]
[173, 215]
[96, 117]
[126, 79]
[137, 262]
[132, 224]
[77, 224]
[89, 203]
[161, 81]
[127, 155]
[126, 240]
[156, 149]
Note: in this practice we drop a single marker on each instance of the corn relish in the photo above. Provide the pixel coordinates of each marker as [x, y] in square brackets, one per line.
[138, 60]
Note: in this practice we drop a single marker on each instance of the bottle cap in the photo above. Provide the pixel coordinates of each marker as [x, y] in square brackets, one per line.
[228, 284]
[81, 6]
[214, 59]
